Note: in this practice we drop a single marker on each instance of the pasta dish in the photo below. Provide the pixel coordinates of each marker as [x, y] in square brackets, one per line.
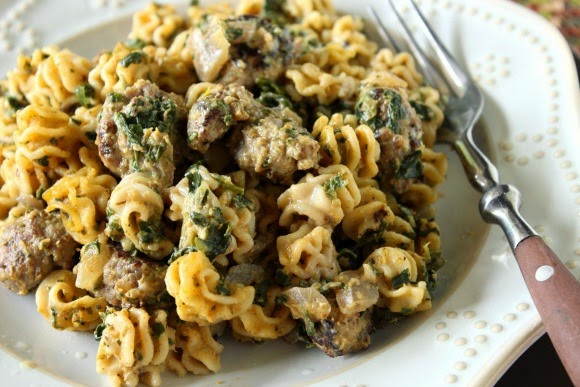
[263, 171]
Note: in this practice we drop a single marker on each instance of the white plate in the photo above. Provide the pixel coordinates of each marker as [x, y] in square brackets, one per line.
[483, 317]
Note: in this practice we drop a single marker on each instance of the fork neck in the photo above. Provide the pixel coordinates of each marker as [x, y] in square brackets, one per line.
[481, 173]
[500, 205]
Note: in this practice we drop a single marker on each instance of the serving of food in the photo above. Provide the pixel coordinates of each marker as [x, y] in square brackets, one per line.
[261, 172]
[265, 170]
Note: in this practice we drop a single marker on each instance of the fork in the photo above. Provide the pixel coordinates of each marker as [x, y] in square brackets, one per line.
[554, 290]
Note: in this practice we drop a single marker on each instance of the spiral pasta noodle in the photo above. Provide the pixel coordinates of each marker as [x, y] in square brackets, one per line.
[82, 200]
[120, 68]
[66, 306]
[264, 322]
[135, 212]
[400, 291]
[308, 253]
[203, 303]
[157, 24]
[57, 78]
[196, 351]
[134, 346]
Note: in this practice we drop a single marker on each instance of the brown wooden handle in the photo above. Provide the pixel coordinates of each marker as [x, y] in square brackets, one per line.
[556, 293]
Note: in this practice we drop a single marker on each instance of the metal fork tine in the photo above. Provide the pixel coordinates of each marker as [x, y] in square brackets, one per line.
[454, 74]
[422, 61]
[383, 31]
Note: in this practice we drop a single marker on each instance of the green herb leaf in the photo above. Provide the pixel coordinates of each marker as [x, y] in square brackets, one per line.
[135, 43]
[222, 288]
[411, 167]
[334, 184]
[94, 246]
[401, 279]
[85, 94]
[150, 232]
[157, 329]
[177, 252]
[395, 110]
[260, 297]
[43, 161]
[424, 112]
[116, 97]
[233, 33]
[217, 239]
[380, 108]
[194, 179]
[98, 333]
[199, 220]
[240, 201]
[15, 103]
[133, 58]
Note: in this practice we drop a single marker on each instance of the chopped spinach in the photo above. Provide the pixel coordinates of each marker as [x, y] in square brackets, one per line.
[374, 268]
[157, 329]
[194, 179]
[274, 10]
[150, 232]
[401, 279]
[44, 161]
[424, 112]
[98, 333]
[395, 110]
[233, 33]
[177, 252]
[411, 166]
[271, 94]
[198, 219]
[85, 94]
[222, 287]
[260, 297]
[133, 58]
[216, 238]
[116, 97]
[15, 103]
[222, 109]
[135, 43]
[155, 152]
[334, 184]
[309, 326]
[380, 108]
[436, 262]
[227, 184]
[146, 113]
[96, 246]
[240, 201]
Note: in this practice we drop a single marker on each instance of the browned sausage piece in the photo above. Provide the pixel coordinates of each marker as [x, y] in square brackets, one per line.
[31, 247]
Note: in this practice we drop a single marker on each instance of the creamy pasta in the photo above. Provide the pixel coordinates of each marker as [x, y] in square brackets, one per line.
[262, 168]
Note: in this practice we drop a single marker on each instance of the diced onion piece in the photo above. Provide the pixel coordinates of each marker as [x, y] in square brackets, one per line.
[357, 296]
[307, 302]
[211, 51]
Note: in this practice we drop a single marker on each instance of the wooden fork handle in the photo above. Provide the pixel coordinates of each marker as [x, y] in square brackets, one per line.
[556, 293]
